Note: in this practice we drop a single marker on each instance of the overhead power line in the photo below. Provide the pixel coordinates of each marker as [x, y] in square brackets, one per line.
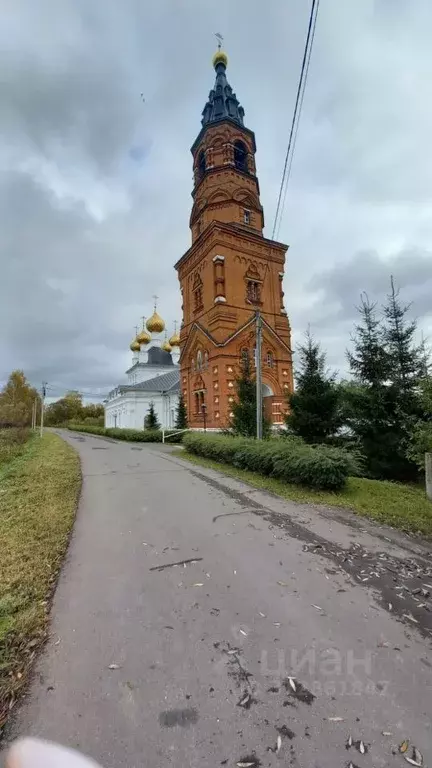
[296, 116]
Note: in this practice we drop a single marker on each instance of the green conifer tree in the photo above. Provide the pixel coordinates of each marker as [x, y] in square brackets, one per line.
[181, 416]
[243, 421]
[151, 420]
[314, 412]
[370, 402]
[407, 371]
[407, 359]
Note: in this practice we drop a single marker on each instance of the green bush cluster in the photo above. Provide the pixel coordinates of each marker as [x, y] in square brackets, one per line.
[12, 442]
[290, 460]
[94, 421]
[130, 435]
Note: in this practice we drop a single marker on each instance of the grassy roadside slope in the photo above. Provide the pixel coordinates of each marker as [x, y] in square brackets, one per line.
[401, 506]
[39, 493]
[12, 444]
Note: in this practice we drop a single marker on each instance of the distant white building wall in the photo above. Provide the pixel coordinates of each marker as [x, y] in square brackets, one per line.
[128, 410]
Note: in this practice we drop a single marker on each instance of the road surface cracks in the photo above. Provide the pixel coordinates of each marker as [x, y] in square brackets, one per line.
[403, 587]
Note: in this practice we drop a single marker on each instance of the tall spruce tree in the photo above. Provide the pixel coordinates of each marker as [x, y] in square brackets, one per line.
[407, 359]
[425, 358]
[407, 370]
[371, 404]
[181, 416]
[243, 420]
[369, 361]
[151, 420]
[420, 441]
[314, 412]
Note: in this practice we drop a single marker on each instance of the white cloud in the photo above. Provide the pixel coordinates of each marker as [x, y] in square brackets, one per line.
[95, 185]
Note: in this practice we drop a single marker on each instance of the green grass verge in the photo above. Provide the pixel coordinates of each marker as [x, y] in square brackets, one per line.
[38, 500]
[402, 506]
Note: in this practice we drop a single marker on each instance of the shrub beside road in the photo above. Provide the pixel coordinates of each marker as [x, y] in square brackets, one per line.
[129, 435]
[288, 459]
[12, 443]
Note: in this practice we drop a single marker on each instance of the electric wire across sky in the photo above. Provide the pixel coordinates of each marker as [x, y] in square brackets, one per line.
[296, 118]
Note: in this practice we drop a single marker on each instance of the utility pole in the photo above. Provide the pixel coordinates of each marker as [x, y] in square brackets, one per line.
[34, 414]
[258, 329]
[44, 384]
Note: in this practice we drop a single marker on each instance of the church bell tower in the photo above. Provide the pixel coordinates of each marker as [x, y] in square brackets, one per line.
[230, 271]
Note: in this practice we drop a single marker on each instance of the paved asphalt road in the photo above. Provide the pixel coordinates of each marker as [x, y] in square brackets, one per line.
[190, 665]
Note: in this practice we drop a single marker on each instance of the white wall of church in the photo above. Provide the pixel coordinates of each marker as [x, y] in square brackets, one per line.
[128, 411]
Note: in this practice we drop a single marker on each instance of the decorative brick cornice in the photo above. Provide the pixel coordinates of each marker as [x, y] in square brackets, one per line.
[231, 234]
[195, 326]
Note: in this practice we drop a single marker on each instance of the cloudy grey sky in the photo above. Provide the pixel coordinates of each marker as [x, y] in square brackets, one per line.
[95, 184]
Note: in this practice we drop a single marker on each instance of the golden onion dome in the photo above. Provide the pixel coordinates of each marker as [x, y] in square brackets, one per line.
[220, 57]
[143, 337]
[175, 339]
[134, 346]
[155, 324]
[166, 346]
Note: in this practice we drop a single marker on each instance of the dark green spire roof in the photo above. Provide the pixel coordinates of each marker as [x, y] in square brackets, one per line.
[222, 102]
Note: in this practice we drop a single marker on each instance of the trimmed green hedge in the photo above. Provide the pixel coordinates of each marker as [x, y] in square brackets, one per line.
[287, 459]
[130, 435]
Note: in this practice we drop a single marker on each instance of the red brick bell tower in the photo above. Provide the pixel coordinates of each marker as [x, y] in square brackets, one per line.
[230, 271]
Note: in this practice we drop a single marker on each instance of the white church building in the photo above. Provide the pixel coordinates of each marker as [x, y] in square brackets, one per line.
[154, 377]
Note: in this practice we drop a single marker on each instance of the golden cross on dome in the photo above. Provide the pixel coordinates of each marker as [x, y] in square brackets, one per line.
[136, 330]
[219, 38]
[155, 301]
[143, 321]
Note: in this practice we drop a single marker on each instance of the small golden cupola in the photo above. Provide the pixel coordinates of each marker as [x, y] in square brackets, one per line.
[166, 346]
[134, 345]
[175, 338]
[155, 324]
[143, 337]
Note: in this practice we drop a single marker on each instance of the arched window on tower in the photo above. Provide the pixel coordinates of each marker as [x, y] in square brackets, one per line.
[270, 359]
[240, 156]
[253, 292]
[201, 164]
[199, 360]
